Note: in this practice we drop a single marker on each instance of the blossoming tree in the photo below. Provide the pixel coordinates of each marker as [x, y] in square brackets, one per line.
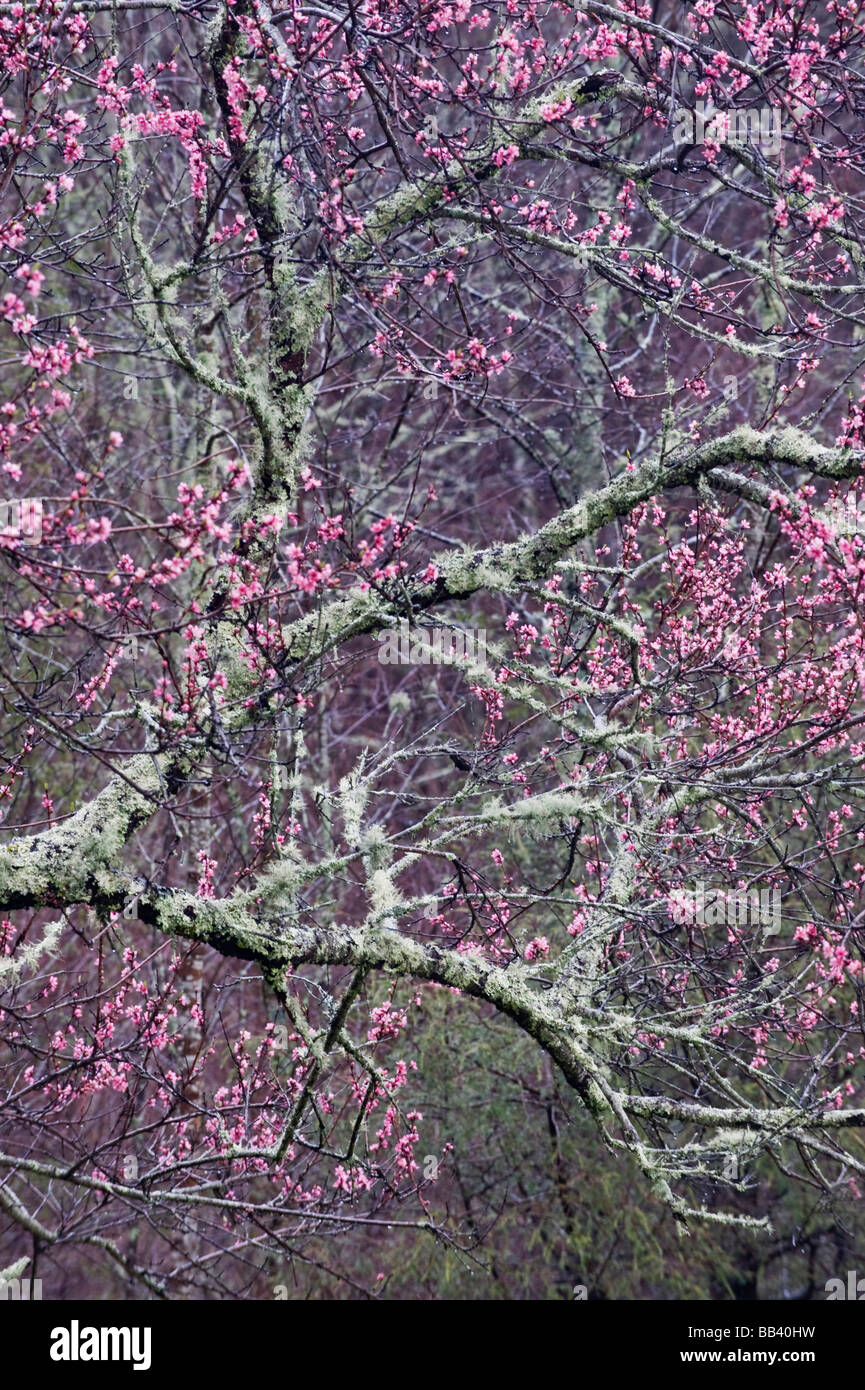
[324, 320]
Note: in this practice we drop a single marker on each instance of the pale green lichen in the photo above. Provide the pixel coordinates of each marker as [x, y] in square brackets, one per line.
[353, 796]
[28, 956]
